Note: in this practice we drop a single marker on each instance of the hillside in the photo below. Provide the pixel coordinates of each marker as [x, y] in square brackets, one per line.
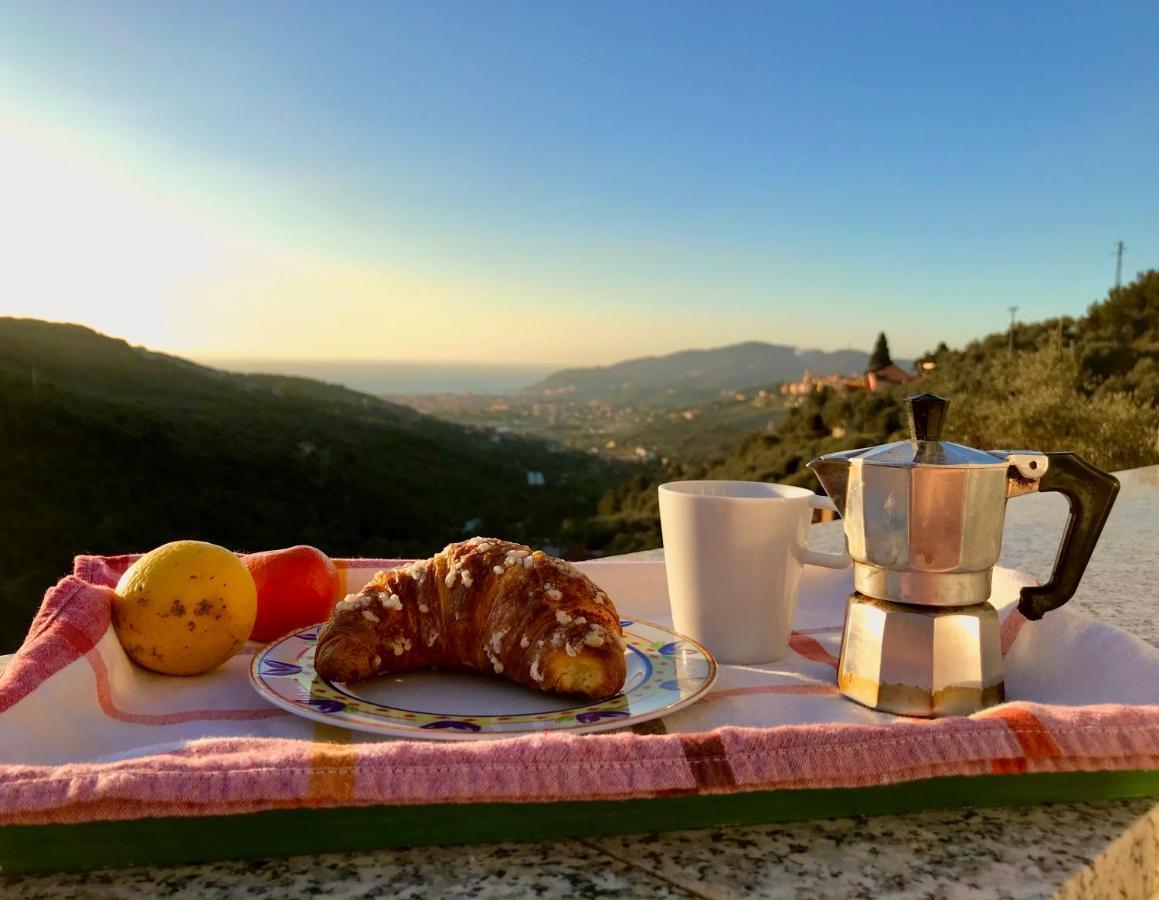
[101, 367]
[108, 448]
[1089, 384]
[696, 375]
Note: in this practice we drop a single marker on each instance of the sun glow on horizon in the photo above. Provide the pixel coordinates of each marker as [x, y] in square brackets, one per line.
[95, 240]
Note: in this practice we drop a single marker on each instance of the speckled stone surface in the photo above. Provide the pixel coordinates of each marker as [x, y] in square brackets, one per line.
[957, 853]
[555, 869]
[1075, 850]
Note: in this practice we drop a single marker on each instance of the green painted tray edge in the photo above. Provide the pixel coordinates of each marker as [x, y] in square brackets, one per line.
[94, 845]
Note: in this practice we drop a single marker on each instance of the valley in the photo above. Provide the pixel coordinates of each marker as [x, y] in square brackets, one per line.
[627, 432]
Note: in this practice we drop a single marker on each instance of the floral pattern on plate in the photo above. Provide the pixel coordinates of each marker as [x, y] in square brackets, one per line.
[666, 671]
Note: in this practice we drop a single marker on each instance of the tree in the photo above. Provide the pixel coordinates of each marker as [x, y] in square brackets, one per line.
[1034, 399]
[880, 358]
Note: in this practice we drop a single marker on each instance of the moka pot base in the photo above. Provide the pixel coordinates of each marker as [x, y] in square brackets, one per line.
[925, 661]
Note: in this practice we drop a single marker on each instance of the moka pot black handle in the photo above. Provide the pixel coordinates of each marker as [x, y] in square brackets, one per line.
[1091, 493]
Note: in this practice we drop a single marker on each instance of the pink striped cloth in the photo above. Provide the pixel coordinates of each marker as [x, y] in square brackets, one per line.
[85, 735]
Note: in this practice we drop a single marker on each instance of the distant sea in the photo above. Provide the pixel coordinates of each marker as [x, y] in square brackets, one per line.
[396, 377]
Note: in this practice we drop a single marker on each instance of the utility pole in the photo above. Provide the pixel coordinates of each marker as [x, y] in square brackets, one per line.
[1119, 248]
[1013, 310]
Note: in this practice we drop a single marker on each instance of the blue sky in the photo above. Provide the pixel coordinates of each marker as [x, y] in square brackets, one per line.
[573, 183]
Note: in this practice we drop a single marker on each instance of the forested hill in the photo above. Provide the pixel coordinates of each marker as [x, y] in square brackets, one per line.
[84, 361]
[108, 448]
[691, 375]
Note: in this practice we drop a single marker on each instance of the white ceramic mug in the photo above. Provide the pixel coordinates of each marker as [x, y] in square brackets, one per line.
[733, 552]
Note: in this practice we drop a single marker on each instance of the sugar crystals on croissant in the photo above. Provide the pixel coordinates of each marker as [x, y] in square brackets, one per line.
[483, 605]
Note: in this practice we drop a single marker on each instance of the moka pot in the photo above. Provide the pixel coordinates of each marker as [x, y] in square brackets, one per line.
[923, 521]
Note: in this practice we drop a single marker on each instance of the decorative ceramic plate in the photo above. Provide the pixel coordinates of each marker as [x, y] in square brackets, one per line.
[666, 671]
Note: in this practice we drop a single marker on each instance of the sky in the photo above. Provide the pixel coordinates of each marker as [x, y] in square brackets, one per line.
[568, 184]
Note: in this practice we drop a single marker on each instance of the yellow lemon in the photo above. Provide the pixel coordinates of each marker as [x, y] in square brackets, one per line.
[184, 608]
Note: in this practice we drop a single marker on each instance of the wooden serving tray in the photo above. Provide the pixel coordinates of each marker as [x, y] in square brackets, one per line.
[94, 845]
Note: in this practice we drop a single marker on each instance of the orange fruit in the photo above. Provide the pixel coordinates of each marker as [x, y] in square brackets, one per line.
[297, 586]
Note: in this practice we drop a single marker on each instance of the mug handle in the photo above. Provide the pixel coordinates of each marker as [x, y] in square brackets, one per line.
[828, 560]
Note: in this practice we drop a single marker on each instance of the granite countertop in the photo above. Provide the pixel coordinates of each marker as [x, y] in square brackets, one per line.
[1105, 849]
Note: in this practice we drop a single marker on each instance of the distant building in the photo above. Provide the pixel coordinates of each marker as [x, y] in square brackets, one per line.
[793, 388]
[888, 376]
[808, 384]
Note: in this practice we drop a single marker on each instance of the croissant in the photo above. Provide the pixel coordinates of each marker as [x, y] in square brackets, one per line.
[483, 605]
